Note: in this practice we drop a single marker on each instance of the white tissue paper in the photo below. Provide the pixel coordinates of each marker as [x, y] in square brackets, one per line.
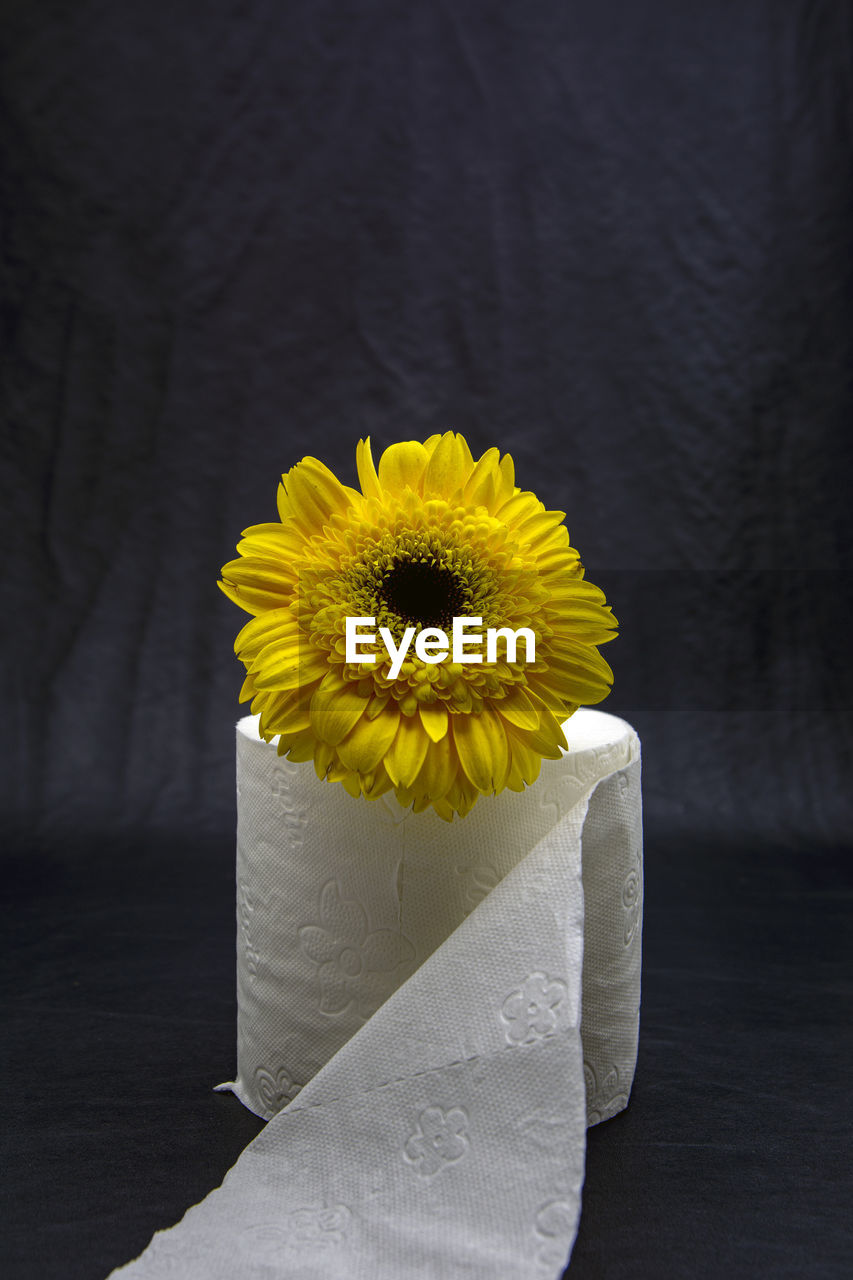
[429, 1015]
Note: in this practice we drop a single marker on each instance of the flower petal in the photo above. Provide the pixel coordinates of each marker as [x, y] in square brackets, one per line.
[279, 651]
[481, 745]
[434, 719]
[519, 507]
[285, 507]
[525, 763]
[313, 493]
[335, 710]
[275, 624]
[548, 740]
[265, 572]
[256, 599]
[594, 628]
[324, 758]
[351, 783]
[404, 760]
[563, 558]
[367, 477]
[248, 690]
[507, 470]
[367, 743]
[582, 602]
[481, 489]
[289, 674]
[446, 470]
[402, 465]
[463, 795]
[518, 709]
[439, 768]
[326, 489]
[288, 712]
[375, 783]
[576, 671]
[285, 541]
[539, 521]
[297, 746]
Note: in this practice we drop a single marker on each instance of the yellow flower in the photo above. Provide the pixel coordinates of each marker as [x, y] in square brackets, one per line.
[432, 535]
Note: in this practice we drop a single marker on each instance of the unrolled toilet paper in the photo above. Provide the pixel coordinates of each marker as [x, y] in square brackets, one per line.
[429, 1015]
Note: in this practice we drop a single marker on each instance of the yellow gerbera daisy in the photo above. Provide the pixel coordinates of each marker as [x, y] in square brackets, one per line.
[432, 535]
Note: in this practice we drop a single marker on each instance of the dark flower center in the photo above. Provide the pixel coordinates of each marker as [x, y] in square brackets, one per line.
[423, 593]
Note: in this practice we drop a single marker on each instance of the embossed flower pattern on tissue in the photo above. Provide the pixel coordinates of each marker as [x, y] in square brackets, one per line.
[314, 1228]
[275, 1090]
[554, 1226]
[319, 1226]
[476, 883]
[245, 915]
[440, 1139]
[631, 900]
[604, 1098]
[531, 1011]
[353, 964]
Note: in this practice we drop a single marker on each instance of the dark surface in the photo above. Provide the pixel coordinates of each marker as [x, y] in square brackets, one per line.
[732, 1159]
[614, 240]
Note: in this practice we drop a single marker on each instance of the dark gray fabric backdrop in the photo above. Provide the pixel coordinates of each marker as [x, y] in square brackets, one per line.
[611, 238]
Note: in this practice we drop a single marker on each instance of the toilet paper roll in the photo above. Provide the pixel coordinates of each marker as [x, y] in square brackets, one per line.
[429, 1015]
[337, 905]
